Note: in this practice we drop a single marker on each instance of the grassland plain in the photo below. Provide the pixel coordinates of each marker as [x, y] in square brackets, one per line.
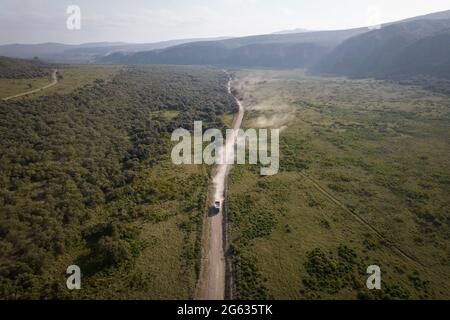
[364, 180]
[71, 77]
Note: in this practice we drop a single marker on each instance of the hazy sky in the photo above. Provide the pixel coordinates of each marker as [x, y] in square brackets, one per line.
[33, 21]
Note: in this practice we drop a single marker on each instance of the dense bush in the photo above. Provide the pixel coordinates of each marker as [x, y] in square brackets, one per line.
[67, 158]
[330, 272]
[23, 69]
[250, 285]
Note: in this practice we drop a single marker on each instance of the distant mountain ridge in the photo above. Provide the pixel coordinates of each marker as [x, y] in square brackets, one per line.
[418, 47]
[85, 52]
[11, 68]
[328, 52]
[275, 50]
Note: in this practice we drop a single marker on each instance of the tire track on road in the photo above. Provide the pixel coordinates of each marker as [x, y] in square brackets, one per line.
[213, 287]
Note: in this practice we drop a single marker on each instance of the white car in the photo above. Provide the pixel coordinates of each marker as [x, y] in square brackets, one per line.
[217, 205]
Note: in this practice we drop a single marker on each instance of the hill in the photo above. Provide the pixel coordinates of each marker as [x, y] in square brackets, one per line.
[398, 50]
[289, 50]
[20, 69]
[275, 50]
[83, 53]
[297, 30]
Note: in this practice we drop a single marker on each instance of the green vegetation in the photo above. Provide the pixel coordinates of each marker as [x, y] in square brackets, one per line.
[398, 51]
[70, 78]
[364, 180]
[86, 179]
[11, 87]
[17, 76]
[328, 273]
[19, 69]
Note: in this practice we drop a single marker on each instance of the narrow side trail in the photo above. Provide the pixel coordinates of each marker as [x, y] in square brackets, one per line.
[51, 84]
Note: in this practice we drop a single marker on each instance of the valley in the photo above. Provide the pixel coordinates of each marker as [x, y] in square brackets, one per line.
[113, 179]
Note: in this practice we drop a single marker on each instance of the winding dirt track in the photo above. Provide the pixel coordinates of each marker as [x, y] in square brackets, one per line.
[51, 84]
[213, 287]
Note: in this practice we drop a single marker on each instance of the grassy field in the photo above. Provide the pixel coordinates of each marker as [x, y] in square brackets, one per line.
[166, 262]
[364, 180]
[73, 77]
[10, 87]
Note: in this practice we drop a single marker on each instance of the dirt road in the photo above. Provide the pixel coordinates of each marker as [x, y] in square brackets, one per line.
[213, 287]
[51, 84]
